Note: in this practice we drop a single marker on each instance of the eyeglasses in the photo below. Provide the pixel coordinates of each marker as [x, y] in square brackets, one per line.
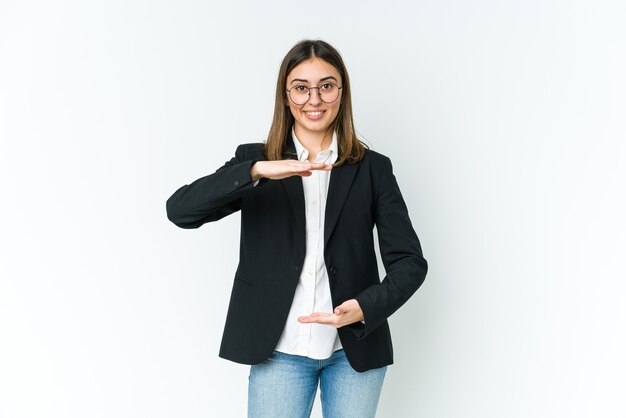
[300, 94]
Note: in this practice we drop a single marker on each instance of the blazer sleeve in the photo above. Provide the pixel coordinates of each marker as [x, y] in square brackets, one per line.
[400, 251]
[214, 196]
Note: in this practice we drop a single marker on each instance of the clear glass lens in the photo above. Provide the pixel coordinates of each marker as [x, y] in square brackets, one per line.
[299, 94]
[328, 92]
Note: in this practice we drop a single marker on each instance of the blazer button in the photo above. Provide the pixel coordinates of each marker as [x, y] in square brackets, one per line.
[236, 183]
[332, 270]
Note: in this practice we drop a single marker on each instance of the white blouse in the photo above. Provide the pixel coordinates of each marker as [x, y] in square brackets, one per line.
[315, 341]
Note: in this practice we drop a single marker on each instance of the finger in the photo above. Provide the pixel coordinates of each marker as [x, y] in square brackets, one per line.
[297, 165]
[301, 166]
[312, 320]
[344, 307]
[321, 166]
[319, 318]
[316, 314]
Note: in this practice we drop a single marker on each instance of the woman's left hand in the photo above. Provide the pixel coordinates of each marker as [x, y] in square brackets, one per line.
[347, 313]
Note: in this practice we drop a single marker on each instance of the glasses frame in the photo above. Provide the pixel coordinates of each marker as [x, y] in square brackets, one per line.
[319, 93]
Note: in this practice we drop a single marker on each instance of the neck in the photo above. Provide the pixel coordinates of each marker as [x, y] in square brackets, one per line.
[314, 142]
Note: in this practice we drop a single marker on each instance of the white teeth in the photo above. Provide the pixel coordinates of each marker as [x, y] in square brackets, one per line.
[314, 113]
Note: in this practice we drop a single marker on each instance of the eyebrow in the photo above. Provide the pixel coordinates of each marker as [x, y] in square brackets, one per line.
[306, 81]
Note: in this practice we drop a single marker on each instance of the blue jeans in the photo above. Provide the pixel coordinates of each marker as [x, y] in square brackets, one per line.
[284, 386]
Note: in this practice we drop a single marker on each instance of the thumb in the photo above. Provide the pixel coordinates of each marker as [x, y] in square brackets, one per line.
[340, 309]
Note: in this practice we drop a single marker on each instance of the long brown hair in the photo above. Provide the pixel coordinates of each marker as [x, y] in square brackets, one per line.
[349, 146]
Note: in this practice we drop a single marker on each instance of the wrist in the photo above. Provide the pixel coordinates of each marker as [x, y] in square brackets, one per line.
[254, 171]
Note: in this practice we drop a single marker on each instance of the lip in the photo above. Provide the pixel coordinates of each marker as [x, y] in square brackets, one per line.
[314, 114]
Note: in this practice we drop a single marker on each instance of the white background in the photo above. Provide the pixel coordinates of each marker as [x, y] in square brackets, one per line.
[505, 121]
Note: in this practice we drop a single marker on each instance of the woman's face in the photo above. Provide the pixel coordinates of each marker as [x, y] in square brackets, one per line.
[314, 116]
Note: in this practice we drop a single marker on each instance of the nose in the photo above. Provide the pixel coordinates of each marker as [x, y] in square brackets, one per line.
[314, 97]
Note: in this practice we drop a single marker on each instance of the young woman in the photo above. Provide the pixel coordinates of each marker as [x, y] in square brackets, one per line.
[307, 304]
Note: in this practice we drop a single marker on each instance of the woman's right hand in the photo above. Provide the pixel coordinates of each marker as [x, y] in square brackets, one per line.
[280, 169]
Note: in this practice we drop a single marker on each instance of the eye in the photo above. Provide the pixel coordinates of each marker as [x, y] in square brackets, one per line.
[301, 88]
[328, 86]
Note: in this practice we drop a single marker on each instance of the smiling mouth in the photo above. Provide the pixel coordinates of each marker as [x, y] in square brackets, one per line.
[314, 115]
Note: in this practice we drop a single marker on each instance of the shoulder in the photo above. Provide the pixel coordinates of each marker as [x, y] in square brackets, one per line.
[376, 161]
[251, 151]
[378, 168]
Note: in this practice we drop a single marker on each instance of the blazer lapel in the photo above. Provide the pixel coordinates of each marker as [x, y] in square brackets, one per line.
[295, 191]
[341, 179]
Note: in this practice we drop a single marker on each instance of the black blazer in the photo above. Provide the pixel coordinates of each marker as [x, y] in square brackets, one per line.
[272, 250]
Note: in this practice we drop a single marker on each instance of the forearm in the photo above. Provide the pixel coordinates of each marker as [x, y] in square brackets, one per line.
[211, 197]
[400, 251]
